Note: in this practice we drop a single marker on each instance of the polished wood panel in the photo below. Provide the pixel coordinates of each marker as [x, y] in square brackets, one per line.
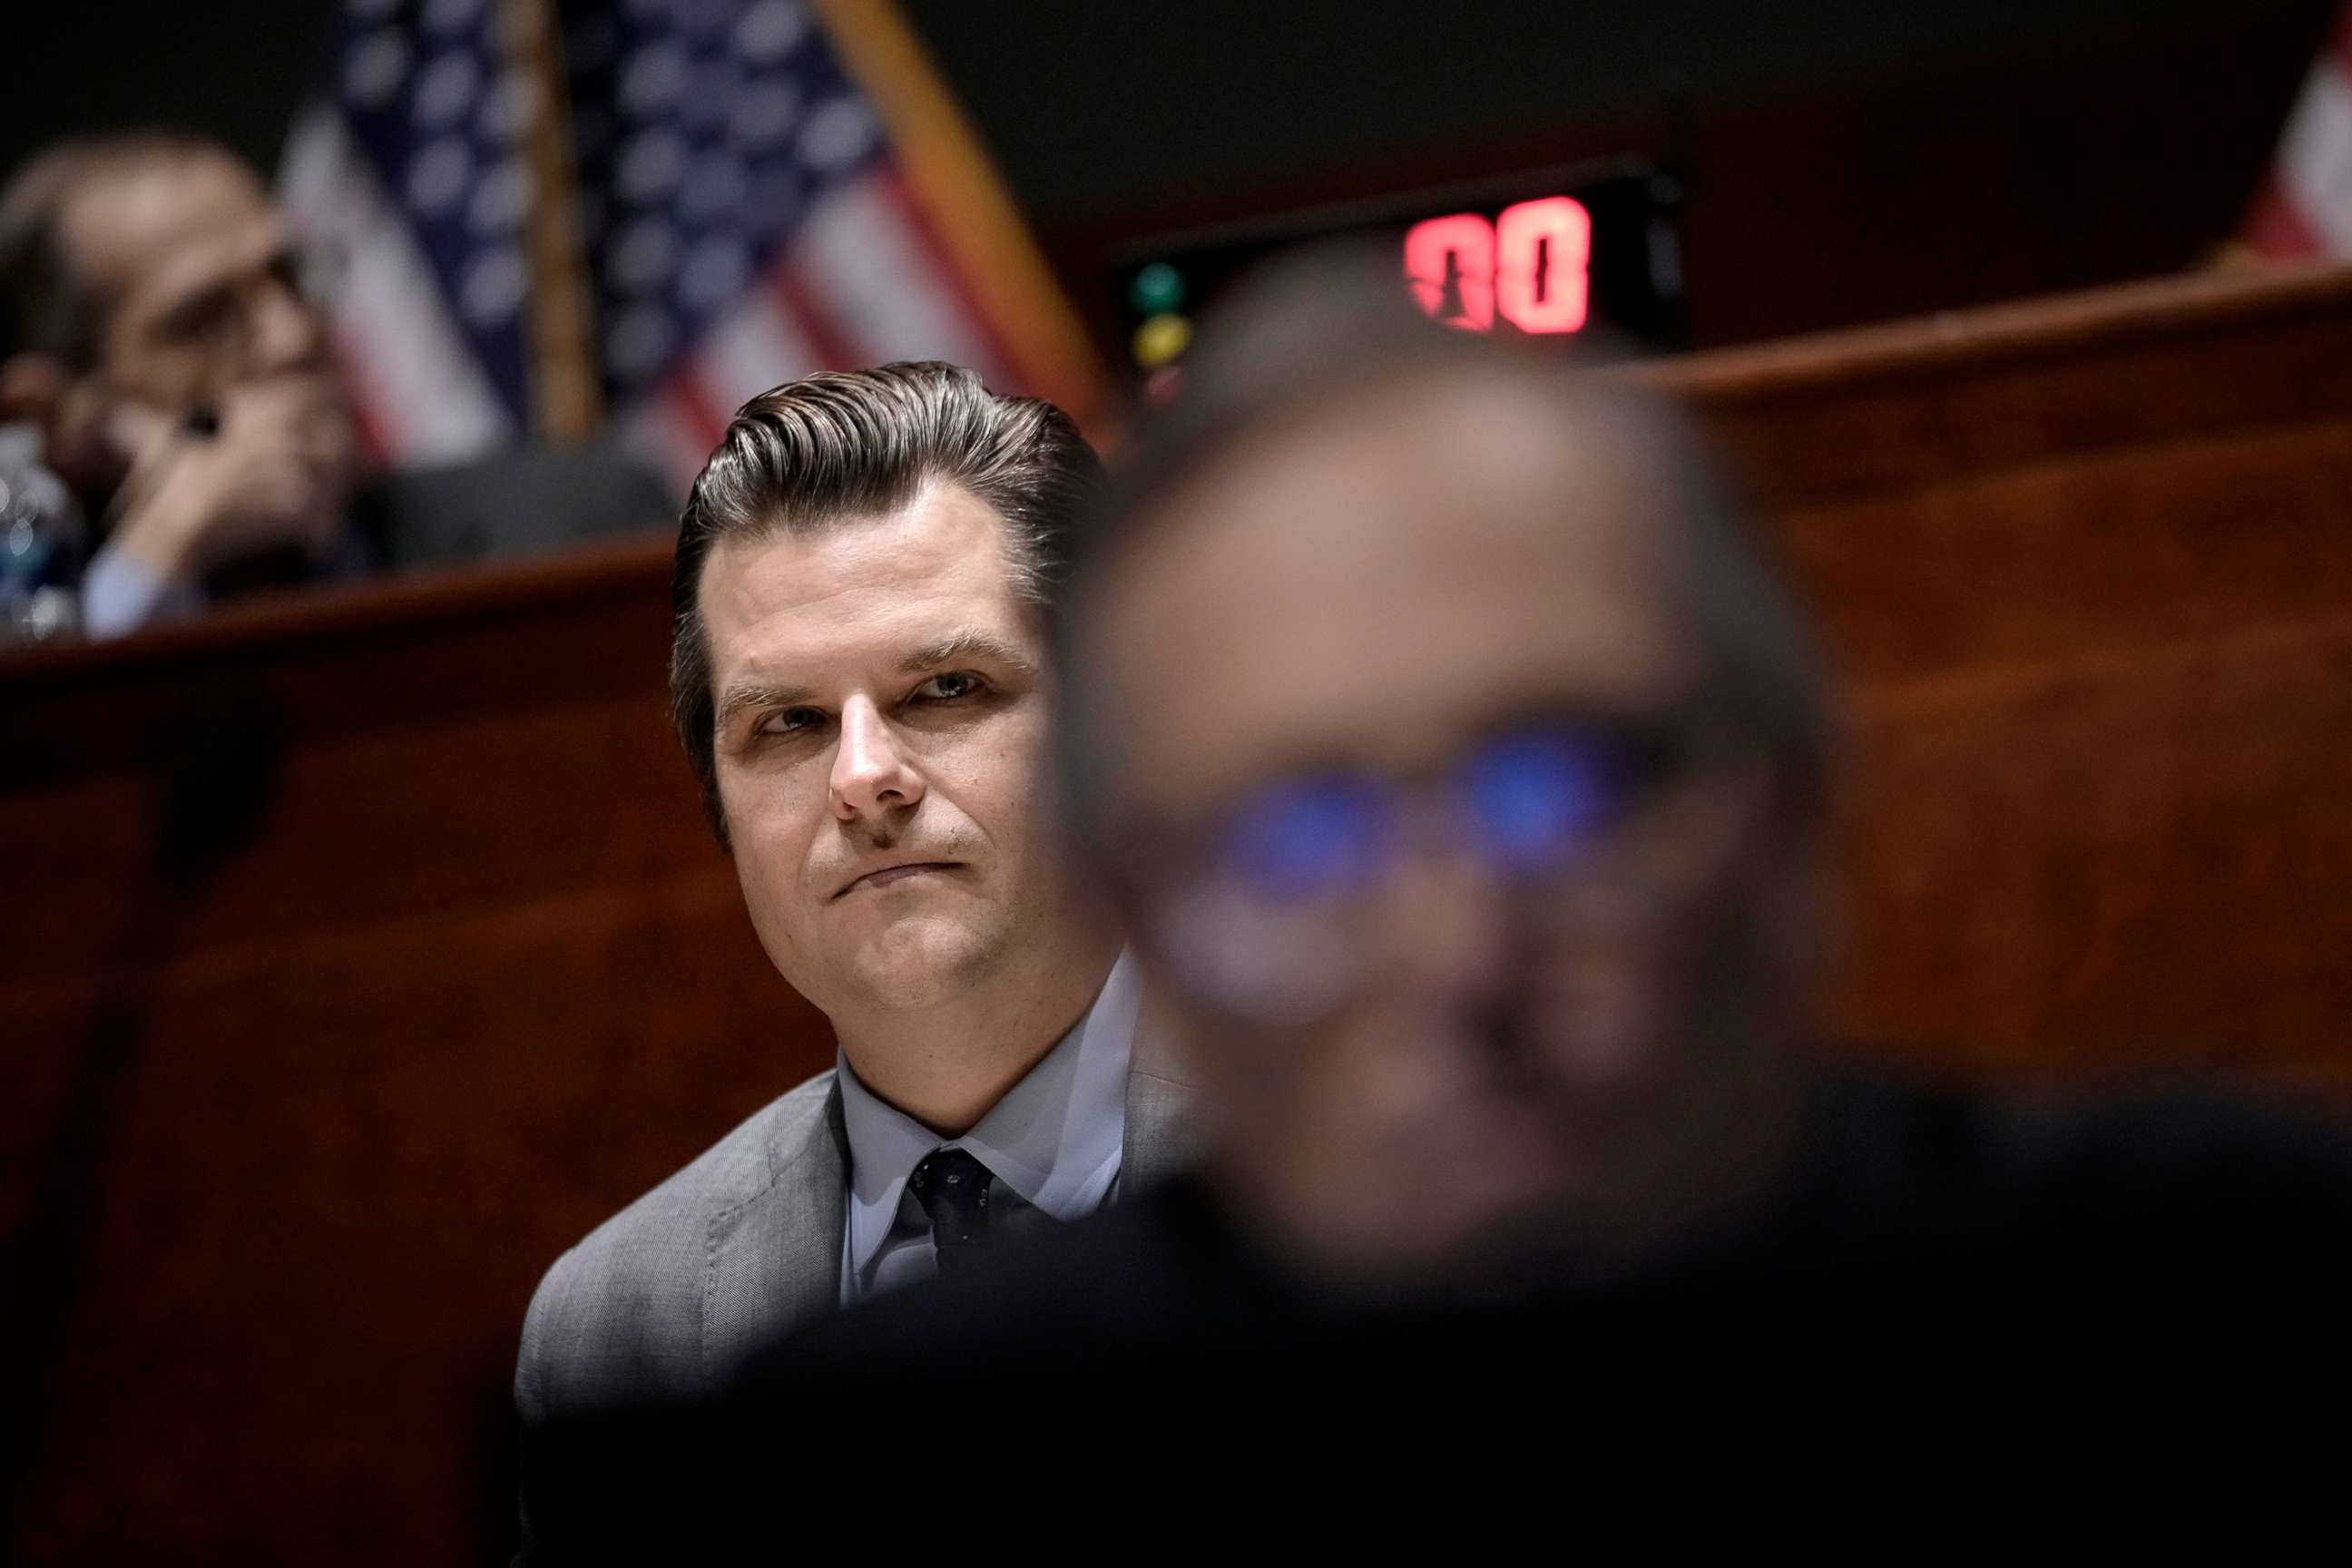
[366, 950]
[375, 950]
[2086, 566]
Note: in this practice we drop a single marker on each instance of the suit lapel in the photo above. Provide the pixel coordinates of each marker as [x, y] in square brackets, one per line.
[775, 1259]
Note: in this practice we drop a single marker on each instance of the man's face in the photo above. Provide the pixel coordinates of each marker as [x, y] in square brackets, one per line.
[197, 280]
[882, 707]
[1369, 593]
[194, 283]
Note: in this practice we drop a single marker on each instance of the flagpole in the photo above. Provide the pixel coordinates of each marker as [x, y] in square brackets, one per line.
[566, 390]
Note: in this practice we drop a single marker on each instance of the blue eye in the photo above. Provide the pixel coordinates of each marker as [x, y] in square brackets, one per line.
[1538, 795]
[1307, 837]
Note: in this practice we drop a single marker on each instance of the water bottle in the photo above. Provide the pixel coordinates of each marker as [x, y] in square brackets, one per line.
[41, 544]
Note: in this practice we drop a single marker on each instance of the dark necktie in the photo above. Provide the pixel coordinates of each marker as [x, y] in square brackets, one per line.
[952, 1186]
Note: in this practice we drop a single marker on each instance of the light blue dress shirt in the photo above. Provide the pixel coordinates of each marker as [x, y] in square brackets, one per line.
[1054, 1140]
[118, 596]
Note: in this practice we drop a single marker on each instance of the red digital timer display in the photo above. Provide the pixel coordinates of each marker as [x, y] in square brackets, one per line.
[1551, 255]
[1530, 265]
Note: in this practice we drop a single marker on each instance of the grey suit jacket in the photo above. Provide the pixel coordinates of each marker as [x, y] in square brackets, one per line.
[666, 1298]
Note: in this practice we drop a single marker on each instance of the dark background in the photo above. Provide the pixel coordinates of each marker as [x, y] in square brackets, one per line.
[1848, 160]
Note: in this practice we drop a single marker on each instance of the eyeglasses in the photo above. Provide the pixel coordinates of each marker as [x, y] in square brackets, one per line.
[217, 321]
[1272, 909]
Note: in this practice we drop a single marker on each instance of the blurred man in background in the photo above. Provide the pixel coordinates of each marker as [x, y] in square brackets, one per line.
[159, 327]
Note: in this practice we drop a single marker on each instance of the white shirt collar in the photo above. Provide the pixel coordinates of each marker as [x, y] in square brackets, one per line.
[1055, 1137]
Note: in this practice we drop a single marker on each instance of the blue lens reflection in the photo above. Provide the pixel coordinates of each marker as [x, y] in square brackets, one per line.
[1310, 837]
[1536, 797]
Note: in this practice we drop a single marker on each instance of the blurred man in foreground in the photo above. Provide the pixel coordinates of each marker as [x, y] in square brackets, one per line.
[1459, 759]
[1450, 733]
[159, 327]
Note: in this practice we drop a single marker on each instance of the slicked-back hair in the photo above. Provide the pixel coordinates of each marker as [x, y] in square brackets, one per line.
[47, 304]
[842, 446]
[1309, 333]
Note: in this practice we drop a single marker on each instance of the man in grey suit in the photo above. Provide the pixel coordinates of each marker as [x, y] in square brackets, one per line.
[860, 679]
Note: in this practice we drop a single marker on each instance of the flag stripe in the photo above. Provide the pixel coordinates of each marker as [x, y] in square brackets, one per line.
[2314, 168]
[430, 398]
[754, 349]
[673, 207]
[702, 418]
[2304, 207]
[670, 439]
[2275, 228]
[801, 307]
[1000, 359]
[950, 177]
[875, 280]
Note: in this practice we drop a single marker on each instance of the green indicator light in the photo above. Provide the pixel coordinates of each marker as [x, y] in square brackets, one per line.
[1157, 289]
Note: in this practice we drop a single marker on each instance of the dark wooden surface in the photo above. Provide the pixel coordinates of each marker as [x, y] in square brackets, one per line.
[306, 1096]
[363, 950]
[2087, 567]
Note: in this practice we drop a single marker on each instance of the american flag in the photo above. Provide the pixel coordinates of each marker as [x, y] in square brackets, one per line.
[2305, 206]
[557, 215]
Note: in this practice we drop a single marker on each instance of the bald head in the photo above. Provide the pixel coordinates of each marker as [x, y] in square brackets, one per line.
[64, 217]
